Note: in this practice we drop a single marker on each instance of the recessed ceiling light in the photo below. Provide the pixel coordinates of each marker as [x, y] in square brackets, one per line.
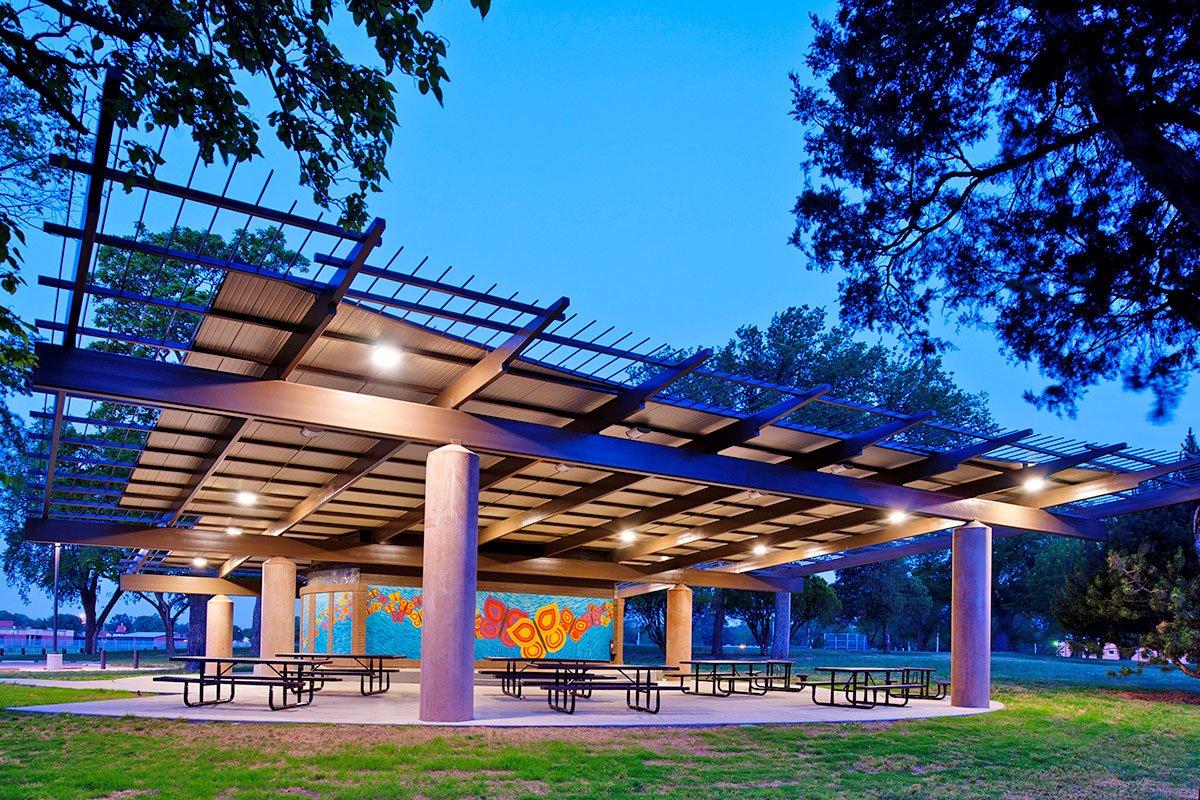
[754, 495]
[760, 549]
[628, 536]
[637, 432]
[309, 433]
[246, 498]
[897, 516]
[560, 467]
[1034, 484]
[199, 561]
[234, 530]
[385, 356]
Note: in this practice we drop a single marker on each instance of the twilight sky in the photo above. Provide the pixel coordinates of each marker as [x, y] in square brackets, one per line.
[637, 158]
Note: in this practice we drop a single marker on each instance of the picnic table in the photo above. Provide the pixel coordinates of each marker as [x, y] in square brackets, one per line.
[723, 675]
[517, 671]
[292, 676]
[570, 681]
[863, 687]
[373, 676]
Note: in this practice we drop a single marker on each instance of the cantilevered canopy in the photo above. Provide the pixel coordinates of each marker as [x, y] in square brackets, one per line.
[291, 412]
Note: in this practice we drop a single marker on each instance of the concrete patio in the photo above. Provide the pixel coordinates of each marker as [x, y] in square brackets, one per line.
[342, 705]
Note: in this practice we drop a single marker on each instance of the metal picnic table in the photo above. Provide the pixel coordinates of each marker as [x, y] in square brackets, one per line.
[291, 675]
[374, 677]
[517, 670]
[723, 675]
[862, 686]
[579, 679]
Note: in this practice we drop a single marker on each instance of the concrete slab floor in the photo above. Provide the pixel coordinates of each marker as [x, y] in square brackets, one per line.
[343, 705]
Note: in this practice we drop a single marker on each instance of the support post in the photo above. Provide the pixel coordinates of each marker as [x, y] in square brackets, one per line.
[781, 641]
[218, 627]
[448, 581]
[618, 654]
[679, 625]
[277, 630]
[971, 617]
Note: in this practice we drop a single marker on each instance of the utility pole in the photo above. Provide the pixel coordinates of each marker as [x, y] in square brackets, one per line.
[54, 622]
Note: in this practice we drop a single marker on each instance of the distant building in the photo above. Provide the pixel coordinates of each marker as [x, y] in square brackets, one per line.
[137, 640]
[13, 637]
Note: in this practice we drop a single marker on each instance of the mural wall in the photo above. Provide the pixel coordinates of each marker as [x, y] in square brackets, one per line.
[506, 624]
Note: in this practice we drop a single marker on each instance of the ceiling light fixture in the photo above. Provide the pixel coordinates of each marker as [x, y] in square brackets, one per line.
[628, 536]
[246, 498]
[199, 561]
[1034, 484]
[561, 468]
[385, 356]
[233, 530]
[309, 433]
[754, 495]
[897, 516]
[637, 432]
[760, 549]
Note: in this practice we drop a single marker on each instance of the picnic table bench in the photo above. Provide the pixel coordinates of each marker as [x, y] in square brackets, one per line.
[517, 672]
[724, 675]
[293, 677]
[373, 676]
[572, 681]
[867, 687]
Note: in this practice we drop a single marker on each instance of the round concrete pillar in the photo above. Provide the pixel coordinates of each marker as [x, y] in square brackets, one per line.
[277, 630]
[218, 627]
[679, 625]
[971, 617]
[781, 639]
[448, 585]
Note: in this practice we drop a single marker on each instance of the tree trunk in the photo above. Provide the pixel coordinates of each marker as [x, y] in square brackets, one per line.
[256, 625]
[887, 638]
[87, 598]
[1004, 621]
[782, 640]
[197, 625]
[718, 631]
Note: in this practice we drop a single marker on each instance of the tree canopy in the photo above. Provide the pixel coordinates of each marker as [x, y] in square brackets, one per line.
[1026, 167]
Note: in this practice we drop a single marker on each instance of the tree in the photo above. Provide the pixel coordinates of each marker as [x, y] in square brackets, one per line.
[879, 596]
[650, 612]
[798, 349]
[218, 68]
[756, 610]
[168, 605]
[1138, 589]
[1031, 168]
[1028, 571]
[817, 603]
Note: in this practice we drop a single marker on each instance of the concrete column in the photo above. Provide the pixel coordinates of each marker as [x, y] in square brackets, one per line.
[679, 625]
[448, 579]
[277, 631]
[358, 622]
[218, 627]
[618, 629]
[781, 640]
[971, 617]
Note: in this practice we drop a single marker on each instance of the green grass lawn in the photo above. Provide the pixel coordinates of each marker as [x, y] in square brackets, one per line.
[1070, 732]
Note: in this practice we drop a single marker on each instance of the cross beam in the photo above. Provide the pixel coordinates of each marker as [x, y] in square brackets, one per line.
[145, 382]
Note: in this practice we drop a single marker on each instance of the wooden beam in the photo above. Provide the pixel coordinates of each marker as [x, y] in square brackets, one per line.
[1143, 502]
[857, 559]
[325, 305]
[153, 383]
[850, 447]
[91, 202]
[193, 541]
[60, 404]
[1109, 484]
[726, 436]
[184, 584]
[626, 592]
[228, 436]
[612, 411]
[495, 363]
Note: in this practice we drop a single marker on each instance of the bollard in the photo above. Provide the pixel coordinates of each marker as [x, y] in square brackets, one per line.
[103, 658]
[43, 651]
[135, 659]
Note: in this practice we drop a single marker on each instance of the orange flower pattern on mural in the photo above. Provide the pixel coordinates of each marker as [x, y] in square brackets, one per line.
[396, 605]
[547, 631]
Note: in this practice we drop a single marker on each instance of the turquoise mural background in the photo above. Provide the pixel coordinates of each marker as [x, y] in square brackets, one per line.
[541, 625]
[321, 605]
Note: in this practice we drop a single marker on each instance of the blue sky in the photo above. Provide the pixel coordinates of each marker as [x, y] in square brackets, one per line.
[639, 159]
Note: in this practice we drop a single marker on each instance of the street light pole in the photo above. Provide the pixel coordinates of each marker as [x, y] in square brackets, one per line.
[54, 623]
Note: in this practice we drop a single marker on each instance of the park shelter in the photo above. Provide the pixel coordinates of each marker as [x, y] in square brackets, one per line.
[360, 417]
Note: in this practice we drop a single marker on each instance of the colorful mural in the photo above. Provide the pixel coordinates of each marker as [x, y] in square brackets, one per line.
[342, 624]
[305, 601]
[506, 624]
[321, 606]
